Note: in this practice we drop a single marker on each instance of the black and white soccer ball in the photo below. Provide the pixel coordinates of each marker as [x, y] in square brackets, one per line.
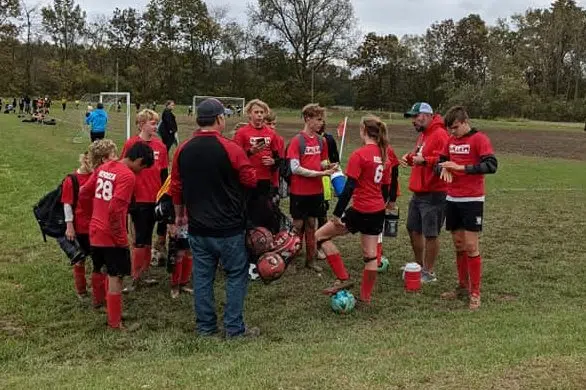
[253, 272]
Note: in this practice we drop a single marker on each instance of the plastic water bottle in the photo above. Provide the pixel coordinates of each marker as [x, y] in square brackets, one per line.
[391, 226]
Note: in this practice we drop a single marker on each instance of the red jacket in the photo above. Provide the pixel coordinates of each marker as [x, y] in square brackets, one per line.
[430, 144]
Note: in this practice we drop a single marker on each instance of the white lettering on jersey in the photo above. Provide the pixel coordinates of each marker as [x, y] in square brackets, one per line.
[378, 160]
[107, 175]
[156, 154]
[459, 149]
[312, 150]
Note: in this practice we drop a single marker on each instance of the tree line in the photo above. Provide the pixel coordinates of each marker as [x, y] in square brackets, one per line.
[290, 52]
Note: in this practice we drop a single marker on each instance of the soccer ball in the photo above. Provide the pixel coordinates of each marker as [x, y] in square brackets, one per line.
[343, 302]
[384, 266]
[259, 240]
[270, 266]
[253, 272]
[288, 248]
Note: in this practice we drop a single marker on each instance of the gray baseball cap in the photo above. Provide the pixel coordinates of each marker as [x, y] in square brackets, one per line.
[210, 108]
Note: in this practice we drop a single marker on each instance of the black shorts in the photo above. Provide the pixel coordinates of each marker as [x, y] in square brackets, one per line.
[306, 206]
[464, 216]
[97, 135]
[427, 213]
[370, 224]
[143, 218]
[84, 243]
[116, 260]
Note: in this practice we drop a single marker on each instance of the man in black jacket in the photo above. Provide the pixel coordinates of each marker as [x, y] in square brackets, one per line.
[334, 157]
[168, 125]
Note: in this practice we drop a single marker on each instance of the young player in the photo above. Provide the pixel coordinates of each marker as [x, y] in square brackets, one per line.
[368, 178]
[261, 146]
[179, 261]
[109, 190]
[467, 158]
[308, 168]
[148, 183]
[271, 122]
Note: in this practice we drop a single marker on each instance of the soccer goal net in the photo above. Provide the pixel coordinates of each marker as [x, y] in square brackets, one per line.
[233, 105]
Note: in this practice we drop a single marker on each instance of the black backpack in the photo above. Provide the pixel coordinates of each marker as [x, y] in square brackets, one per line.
[285, 168]
[49, 210]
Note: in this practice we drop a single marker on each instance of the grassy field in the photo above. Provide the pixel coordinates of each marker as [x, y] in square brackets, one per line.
[530, 332]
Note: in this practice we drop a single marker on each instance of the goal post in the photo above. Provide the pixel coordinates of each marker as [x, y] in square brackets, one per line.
[120, 94]
[233, 105]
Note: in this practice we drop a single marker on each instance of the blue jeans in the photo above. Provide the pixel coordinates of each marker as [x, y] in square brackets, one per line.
[206, 252]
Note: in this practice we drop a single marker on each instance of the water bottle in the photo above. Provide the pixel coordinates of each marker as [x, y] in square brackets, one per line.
[391, 226]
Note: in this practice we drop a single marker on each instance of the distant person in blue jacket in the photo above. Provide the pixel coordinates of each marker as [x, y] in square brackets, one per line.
[97, 120]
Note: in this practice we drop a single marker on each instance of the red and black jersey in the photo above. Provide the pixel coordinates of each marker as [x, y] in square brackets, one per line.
[149, 180]
[249, 136]
[209, 176]
[366, 167]
[311, 159]
[110, 187]
[474, 151]
[81, 220]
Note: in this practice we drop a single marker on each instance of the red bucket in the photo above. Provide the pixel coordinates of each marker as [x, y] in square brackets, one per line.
[412, 277]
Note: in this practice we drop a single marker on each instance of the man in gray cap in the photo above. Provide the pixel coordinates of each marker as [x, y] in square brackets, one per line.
[426, 208]
[209, 178]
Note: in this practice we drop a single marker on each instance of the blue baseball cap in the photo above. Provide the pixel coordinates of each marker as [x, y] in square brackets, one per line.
[210, 108]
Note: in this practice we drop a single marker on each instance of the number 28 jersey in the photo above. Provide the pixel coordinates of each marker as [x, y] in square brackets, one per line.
[111, 181]
[366, 167]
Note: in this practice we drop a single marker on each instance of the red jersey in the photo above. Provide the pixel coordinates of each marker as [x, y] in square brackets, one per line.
[311, 159]
[249, 136]
[281, 151]
[366, 167]
[148, 181]
[467, 150]
[81, 220]
[112, 186]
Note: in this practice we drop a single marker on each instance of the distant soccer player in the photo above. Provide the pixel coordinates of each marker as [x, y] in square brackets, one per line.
[110, 190]
[261, 145]
[308, 156]
[467, 158]
[97, 120]
[148, 184]
[367, 185]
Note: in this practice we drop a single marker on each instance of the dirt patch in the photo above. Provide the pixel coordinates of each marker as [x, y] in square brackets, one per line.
[538, 143]
[10, 328]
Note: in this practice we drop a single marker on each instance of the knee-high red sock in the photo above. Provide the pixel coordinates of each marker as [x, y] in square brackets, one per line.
[176, 275]
[187, 263]
[337, 265]
[379, 250]
[462, 264]
[79, 278]
[98, 288]
[114, 309]
[310, 247]
[475, 271]
[137, 262]
[368, 280]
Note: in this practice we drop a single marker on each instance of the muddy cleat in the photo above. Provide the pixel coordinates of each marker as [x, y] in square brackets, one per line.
[474, 302]
[133, 287]
[337, 286]
[458, 293]
[428, 277]
[175, 293]
[133, 327]
[187, 290]
[321, 255]
[150, 282]
[312, 264]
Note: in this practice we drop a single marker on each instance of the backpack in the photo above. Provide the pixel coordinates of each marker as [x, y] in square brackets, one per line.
[49, 210]
[285, 168]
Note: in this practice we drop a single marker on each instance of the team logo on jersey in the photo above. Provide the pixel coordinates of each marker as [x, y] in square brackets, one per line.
[459, 149]
[419, 149]
[259, 140]
[312, 150]
[378, 160]
[156, 154]
[107, 175]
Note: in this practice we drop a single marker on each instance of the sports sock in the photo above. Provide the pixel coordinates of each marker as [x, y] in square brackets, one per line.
[98, 288]
[310, 248]
[79, 278]
[368, 280]
[136, 263]
[475, 271]
[337, 265]
[114, 309]
[186, 265]
[462, 264]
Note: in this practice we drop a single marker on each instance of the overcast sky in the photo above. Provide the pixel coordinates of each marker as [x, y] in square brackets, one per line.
[397, 17]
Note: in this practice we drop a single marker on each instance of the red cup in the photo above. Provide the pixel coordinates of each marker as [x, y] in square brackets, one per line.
[412, 277]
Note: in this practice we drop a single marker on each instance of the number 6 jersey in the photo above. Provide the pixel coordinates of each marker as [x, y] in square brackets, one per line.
[110, 190]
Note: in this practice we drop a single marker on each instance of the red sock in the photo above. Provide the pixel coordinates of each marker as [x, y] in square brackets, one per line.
[462, 264]
[368, 280]
[114, 309]
[79, 278]
[98, 288]
[136, 263]
[187, 263]
[310, 247]
[379, 250]
[475, 271]
[337, 265]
